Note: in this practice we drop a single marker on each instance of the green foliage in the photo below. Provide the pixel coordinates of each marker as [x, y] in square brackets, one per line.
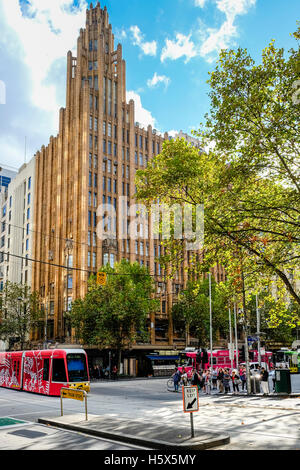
[248, 180]
[20, 312]
[115, 315]
[193, 309]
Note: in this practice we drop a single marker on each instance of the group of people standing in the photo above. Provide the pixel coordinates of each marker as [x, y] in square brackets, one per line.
[220, 380]
[98, 372]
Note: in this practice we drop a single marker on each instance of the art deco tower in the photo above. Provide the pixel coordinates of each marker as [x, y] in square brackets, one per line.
[91, 161]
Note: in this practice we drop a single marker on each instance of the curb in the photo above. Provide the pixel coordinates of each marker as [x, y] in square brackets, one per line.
[190, 444]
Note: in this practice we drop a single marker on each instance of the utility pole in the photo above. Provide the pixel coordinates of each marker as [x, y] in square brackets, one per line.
[258, 330]
[246, 334]
[230, 340]
[210, 325]
[46, 325]
[236, 338]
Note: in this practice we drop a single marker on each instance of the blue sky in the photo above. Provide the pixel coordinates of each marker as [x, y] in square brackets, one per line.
[169, 47]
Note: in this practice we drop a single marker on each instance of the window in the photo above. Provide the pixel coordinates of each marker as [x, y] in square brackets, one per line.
[46, 370]
[28, 214]
[59, 370]
[29, 182]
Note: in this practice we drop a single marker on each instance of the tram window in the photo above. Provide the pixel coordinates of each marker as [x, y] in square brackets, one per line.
[59, 371]
[77, 369]
[46, 370]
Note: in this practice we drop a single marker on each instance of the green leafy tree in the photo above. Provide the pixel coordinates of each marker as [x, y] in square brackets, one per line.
[193, 309]
[20, 312]
[248, 181]
[115, 315]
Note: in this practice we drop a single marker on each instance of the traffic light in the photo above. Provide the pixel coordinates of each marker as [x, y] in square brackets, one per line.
[198, 356]
[101, 279]
[204, 357]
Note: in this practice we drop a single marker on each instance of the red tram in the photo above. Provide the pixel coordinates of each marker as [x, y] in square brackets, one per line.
[45, 372]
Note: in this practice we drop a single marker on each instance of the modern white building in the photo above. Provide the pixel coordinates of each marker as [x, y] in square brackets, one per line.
[16, 225]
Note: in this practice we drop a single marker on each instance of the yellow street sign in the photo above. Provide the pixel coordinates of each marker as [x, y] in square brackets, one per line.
[101, 279]
[73, 394]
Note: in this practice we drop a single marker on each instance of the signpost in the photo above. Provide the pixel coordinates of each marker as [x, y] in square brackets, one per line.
[73, 394]
[191, 403]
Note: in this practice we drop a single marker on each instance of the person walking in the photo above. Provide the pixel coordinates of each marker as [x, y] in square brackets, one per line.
[220, 380]
[176, 379]
[235, 382]
[264, 378]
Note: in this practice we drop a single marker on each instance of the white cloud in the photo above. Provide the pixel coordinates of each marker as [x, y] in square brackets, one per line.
[148, 48]
[181, 47]
[142, 115]
[45, 33]
[35, 38]
[200, 3]
[232, 8]
[157, 79]
[217, 39]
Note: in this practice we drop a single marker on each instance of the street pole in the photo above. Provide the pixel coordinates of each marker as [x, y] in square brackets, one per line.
[230, 340]
[236, 339]
[258, 330]
[210, 325]
[46, 325]
[109, 364]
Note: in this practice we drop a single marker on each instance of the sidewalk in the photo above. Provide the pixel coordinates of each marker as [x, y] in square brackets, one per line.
[142, 433]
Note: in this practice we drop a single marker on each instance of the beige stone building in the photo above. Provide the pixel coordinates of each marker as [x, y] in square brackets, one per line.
[93, 161]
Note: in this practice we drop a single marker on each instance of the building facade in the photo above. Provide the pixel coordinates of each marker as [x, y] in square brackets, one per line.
[16, 239]
[91, 163]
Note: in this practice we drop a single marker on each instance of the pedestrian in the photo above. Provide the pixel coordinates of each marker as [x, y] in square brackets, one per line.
[215, 379]
[208, 383]
[243, 378]
[195, 378]
[115, 373]
[184, 377]
[264, 380]
[220, 380]
[235, 382]
[226, 381]
[272, 376]
[176, 379]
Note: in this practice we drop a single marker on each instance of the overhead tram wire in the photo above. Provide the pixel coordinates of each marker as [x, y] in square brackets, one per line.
[43, 234]
[89, 271]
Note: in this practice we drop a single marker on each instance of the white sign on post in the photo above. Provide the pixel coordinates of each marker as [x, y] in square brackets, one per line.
[191, 403]
[190, 399]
